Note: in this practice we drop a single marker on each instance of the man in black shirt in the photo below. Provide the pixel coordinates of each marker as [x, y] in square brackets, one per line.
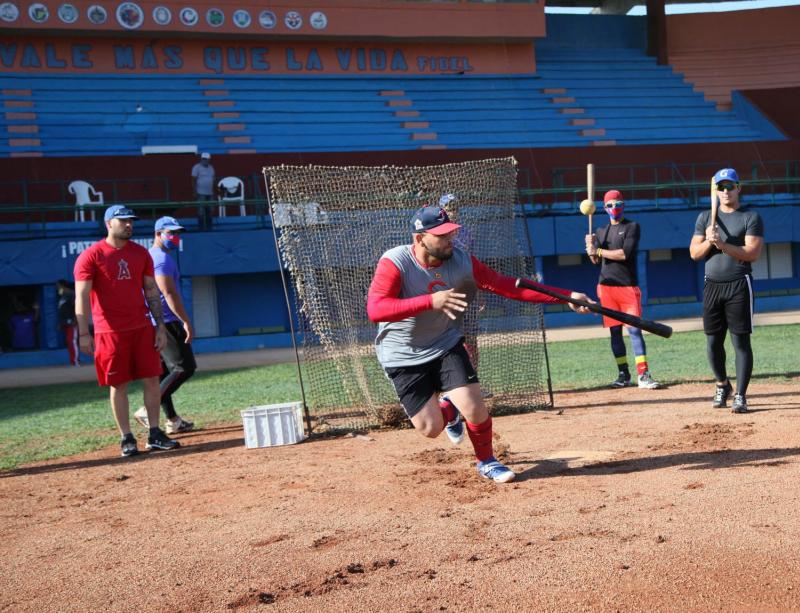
[614, 247]
[728, 248]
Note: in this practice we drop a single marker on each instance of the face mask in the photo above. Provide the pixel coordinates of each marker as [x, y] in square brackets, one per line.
[616, 212]
[171, 241]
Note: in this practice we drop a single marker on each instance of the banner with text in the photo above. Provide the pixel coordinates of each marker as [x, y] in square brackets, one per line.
[233, 57]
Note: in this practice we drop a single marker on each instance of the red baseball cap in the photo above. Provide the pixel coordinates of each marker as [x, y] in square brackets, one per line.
[613, 194]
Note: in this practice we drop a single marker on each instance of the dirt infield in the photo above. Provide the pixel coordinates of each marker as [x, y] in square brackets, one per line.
[629, 500]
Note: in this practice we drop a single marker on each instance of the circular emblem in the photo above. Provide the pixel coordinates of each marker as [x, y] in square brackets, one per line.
[162, 15]
[318, 20]
[9, 12]
[67, 13]
[188, 16]
[215, 17]
[38, 12]
[293, 20]
[241, 19]
[97, 14]
[267, 19]
[129, 15]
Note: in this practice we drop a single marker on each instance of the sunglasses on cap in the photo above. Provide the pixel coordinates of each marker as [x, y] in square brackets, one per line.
[613, 204]
[726, 187]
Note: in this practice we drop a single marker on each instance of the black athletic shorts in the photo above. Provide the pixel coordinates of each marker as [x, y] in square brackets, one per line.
[416, 384]
[177, 355]
[728, 305]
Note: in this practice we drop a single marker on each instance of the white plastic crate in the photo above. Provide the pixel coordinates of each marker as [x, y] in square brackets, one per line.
[273, 424]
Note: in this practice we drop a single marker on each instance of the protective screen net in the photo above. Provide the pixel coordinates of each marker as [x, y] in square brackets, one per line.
[333, 225]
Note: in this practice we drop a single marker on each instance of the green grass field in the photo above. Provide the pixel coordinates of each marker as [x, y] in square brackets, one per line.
[47, 422]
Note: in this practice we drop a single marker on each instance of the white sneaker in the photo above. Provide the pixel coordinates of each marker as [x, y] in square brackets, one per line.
[494, 470]
[647, 382]
[141, 417]
[179, 425]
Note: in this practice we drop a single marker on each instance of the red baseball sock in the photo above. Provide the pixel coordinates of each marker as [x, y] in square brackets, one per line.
[481, 437]
[448, 410]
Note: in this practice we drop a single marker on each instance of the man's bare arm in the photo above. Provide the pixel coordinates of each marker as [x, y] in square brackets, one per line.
[700, 247]
[173, 297]
[82, 309]
[748, 253]
[153, 298]
[83, 289]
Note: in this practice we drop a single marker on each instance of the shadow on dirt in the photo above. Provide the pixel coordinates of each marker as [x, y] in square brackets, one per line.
[659, 398]
[144, 456]
[701, 460]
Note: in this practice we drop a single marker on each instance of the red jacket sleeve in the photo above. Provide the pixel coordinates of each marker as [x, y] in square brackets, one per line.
[492, 281]
[383, 303]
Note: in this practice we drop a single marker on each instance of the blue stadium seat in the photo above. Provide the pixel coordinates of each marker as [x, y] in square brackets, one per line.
[118, 114]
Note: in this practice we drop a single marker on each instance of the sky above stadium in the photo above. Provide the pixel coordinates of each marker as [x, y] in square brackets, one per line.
[698, 7]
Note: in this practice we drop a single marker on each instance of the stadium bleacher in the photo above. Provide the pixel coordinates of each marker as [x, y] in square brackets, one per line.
[578, 97]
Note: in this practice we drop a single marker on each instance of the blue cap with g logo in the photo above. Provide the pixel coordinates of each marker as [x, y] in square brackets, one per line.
[726, 174]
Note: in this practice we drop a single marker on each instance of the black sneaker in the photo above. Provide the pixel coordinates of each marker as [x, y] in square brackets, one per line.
[721, 395]
[159, 440]
[129, 447]
[623, 380]
[739, 404]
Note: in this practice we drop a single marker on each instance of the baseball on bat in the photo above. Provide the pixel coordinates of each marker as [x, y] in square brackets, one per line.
[626, 318]
[587, 206]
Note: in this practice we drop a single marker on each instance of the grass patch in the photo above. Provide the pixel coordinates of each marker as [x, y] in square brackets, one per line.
[589, 363]
[46, 422]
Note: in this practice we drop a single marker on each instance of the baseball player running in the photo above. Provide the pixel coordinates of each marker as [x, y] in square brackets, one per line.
[416, 297]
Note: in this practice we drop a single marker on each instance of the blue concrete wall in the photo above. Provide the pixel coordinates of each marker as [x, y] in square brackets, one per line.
[250, 294]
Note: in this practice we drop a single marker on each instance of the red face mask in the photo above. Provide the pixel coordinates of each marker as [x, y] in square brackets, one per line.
[171, 241]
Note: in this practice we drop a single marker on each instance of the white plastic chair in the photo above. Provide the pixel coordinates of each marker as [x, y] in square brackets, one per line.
[230, 189]
[84, 194]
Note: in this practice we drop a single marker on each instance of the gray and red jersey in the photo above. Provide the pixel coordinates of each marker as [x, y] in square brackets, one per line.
[410, 332]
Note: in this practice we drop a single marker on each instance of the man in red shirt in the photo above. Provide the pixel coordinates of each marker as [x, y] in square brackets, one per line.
[113, 273]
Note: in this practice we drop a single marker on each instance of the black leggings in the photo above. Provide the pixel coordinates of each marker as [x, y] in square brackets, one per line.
[744, 358]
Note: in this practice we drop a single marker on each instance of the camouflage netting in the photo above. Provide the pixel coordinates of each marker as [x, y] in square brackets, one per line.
[333, 225]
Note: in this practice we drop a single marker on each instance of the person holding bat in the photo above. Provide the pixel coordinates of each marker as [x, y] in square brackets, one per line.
[418, 296]
[728, 239]
[614, 247]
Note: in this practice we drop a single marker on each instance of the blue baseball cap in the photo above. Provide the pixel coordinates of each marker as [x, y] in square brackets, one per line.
[168, 223]
[119, 211]
[433, 220]
[726, 174]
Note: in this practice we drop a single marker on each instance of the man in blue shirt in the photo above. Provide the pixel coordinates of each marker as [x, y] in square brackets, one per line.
[177, 358]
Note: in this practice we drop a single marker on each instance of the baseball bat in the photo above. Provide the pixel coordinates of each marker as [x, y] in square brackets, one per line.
[713, 203]
[590, 189]
[626, 318]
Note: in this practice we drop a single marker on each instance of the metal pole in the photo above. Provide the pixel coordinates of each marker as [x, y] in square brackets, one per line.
[288, 305]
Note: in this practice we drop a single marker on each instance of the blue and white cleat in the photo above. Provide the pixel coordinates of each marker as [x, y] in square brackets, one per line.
[494, 470]
[454, 429]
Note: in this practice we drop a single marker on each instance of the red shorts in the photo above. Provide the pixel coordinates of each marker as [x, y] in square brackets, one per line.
[626, 299]
[120, 357]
